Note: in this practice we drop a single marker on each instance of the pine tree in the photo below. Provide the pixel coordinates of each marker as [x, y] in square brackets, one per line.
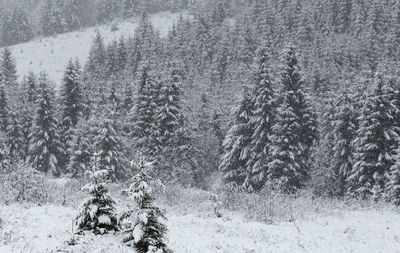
[261, 122]
[97, 213]
[73, 14]
[95, 67]
[8, 69]
[15, 138]
[45, 147]
[345, 125]
[375, 144]
[143, 228]
[3, 110]
[15, 27]
[71, 97]
[247, 46]
[143, 128]
[130, 6]
[169, 114]
[286, 164]
[26, 119]
[237, 147]
[109, 145]
[31, 89]
[122, 55]
[294, 131]
[52, 18]
[112, 59]
[108, 10]
[80, 154]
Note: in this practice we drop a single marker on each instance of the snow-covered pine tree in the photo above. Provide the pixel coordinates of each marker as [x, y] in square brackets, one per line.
[31, 89]
[3, 109]
[71, 108]
[142, 115]
[237, 146]
[15, 27]
[294, 89]
[4, 159]
[108, 10]
[143, 225]
[130, 8]
[26, 120]
[97, 213]
[73, 14]
[375, 144]
[95, 68]
[146, 40]
[261, 122]
[71, 97]
[294, 131]
[8, 72]
[79, 160]
[15, 138]
[45, 147]
[392, 190]
[344, 131]
[247, 46]
[108, 143]
[286, 164]
[169, 114]
[112, 63]
[122, 54]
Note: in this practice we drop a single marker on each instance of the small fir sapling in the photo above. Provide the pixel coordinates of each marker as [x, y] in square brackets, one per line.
[97, 213]
[143, 224]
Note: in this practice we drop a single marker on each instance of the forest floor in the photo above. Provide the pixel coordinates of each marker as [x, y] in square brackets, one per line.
[32, 228]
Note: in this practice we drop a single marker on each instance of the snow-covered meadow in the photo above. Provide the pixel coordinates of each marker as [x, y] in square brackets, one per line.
[51, 54]
[311, 225]
[47, 228]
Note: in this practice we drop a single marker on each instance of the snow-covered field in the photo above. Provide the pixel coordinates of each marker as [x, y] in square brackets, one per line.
[43, 229]
[51, 54]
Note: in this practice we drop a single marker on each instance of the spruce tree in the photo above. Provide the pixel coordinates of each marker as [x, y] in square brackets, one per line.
[79, 161]
[45, 147]
[15, 27]
[286, 164]
[31, 89]
[15, 138]
[143, 225]
[8, 69]
[237, 147]
[3, 109]
[109, 145]
[142, 126]
[294, 131]
[108, 10]
[71, 97]
[375, 144]
[261, 122]
[97, 213]
[344, 131]
[169, 114]
[95, 67]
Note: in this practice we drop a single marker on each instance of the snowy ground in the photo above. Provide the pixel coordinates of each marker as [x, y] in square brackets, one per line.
[51, 54]
[46, 229]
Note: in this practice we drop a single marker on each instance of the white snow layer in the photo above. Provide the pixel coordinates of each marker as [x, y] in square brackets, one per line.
[46, 229]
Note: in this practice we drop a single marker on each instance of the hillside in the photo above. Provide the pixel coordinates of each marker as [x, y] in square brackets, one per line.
[51, 54]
